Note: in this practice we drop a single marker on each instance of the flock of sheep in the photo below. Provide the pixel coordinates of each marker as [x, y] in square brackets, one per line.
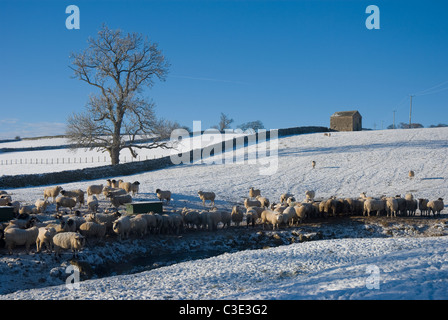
[70, 231]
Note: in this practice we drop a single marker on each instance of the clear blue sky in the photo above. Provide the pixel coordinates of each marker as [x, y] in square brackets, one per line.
[286, 63]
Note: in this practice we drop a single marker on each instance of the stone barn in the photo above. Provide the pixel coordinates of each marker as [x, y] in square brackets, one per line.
[346, 121]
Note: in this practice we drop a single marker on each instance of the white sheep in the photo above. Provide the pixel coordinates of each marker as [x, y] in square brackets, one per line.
[135, 186]
[371, 205]
[68, 241]
[92, 229]
[313, 164]
[19, 237]
[285, 197]
[274, 218]
[127, 186]
[204, 196]
[52, 192]
[177, 222]
[106, 218]
[252, 203]
[259, 210]
[302, 213]
[391, 207]
[30, 209]
[94, 189]
[92, 203]
[291, 201]
[151, 221]
[191, 218]
[122, 227]
[226, 218]
[411, 174]
[65, 202]
[435, 206]
[264, 201]
[41, 205]
[288, 215]
[77, 194]
[164, 195]
[423, 206]
[139, 226]
[213, 218]
[253, 193]
[309, 195]
[45, 237]
[117, 201]
[237, 215]
[251, 217]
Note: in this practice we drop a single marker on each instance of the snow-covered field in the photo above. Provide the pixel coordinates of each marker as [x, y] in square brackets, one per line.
[408, 265]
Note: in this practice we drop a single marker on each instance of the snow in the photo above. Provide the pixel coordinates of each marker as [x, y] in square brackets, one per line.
[410, 253]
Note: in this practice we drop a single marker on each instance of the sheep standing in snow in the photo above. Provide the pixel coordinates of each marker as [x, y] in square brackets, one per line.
[237, 215]
[372, 205]
[65, 202]
[122, 227]
[135, 186]
[139, 226]
[164, 195]
[121, 200]
[94, 189]
[191, 218]
[253, 193]
[92, 203]
[212, 219]
[411, 204]
[288, 215]
[204, 196]
[93, 230]
[411, 174]
[41, 205]
[77, 194]
[391, 207]
[423, 206]
[251, 217]
[435, 206]
[52, 192]
[313, 164]
[302, 212]
[309, 195]
[401, 205]
[107, 219]
[45, 237]
[68, 241]
[274, 218]
[285, 197]
[263, 201]
[252, 203]
[19, 237]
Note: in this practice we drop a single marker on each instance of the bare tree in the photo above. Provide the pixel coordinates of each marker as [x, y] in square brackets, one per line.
[224, 122]
[120, 66]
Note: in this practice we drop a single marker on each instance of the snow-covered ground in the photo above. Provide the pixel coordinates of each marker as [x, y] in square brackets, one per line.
[393, 268]
[348, 163]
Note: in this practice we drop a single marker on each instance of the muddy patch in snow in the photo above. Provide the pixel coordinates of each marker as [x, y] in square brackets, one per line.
[112, 257]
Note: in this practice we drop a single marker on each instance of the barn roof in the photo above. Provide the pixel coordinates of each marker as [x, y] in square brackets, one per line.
[345, 113]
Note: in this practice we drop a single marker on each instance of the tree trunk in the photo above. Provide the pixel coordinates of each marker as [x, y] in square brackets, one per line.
[114, 155]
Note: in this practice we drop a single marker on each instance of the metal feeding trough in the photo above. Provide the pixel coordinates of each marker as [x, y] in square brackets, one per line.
[6, 213]
[144, 207]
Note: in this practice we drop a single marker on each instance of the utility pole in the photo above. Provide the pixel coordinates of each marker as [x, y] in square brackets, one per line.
[410, 113]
